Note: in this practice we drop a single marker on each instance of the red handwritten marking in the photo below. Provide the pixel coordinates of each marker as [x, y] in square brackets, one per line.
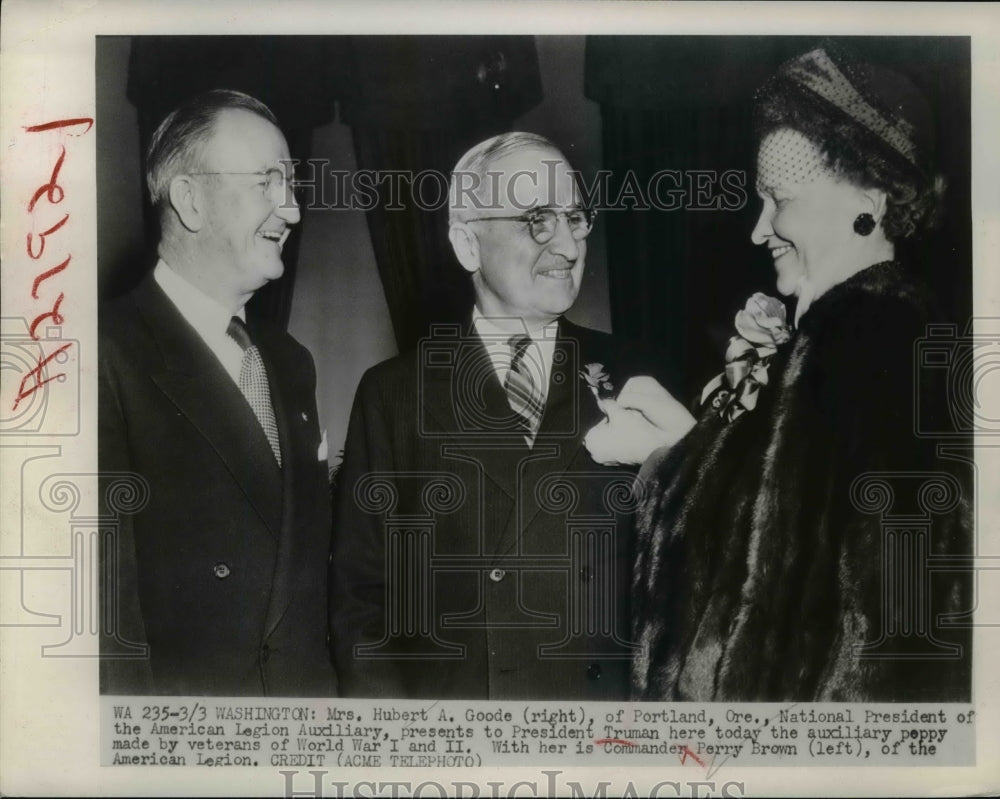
[42, 236]
[686, 753]
[620, 741]
[54, 315]
[55, 270]
[54, 194]
[49, 189]
[36, 373]
[62, 123]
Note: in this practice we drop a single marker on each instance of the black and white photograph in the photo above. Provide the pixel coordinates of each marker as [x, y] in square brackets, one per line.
[447, 402]
[755, 568]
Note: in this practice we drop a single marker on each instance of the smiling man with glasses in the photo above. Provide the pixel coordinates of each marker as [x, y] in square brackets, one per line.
[516, 226]
[218, 583]
[478, 434]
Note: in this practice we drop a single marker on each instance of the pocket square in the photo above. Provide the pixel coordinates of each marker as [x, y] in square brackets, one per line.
[322, 453]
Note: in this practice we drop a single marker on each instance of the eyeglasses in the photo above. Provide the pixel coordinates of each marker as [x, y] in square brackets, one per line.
[542, 222]
[275, 183]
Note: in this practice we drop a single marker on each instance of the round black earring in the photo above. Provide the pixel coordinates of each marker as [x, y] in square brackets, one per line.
[864, 224]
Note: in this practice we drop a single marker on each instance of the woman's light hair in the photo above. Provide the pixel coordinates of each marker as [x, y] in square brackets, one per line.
[177, 144]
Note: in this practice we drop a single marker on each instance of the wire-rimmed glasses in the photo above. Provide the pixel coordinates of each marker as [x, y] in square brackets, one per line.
[274, 184]
[542, 222]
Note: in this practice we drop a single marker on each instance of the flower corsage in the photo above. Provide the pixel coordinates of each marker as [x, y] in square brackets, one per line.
[762, 328]
[598, 380]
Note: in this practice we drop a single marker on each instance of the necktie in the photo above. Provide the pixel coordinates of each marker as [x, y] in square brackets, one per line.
[253, 383]
[523, 393]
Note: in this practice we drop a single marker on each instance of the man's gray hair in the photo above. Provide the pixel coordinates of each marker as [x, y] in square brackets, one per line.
[470, 173]
[177, 144]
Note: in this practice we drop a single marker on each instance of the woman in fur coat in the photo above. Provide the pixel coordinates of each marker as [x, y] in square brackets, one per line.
[790, 541]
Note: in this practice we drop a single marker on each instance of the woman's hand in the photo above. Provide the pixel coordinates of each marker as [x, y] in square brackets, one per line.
[624, 437]
[653, 401]
[642, 419]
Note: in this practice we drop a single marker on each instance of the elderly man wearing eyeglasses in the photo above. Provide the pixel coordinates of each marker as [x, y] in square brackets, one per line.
[478, 552]
[215, 577]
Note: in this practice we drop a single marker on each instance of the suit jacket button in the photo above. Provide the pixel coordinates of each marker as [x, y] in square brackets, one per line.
[221, 570]
[497, 575]
[594, 671]
[265, 653]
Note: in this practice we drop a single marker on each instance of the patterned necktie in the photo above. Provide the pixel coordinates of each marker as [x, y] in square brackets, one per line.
[253, 383]
[522, 389]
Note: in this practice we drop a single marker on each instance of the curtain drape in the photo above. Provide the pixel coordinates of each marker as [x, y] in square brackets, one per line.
[677, 142]
[415, 105]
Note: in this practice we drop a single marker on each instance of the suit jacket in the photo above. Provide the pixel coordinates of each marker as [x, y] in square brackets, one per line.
[221, 573]
[466, 564]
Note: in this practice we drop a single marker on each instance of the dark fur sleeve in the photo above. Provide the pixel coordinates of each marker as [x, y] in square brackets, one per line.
[758, 576]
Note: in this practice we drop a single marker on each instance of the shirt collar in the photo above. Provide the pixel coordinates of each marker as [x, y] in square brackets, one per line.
[502, 328]
[204, 314]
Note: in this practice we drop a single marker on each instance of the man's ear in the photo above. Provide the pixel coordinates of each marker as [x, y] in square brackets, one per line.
[465, 243]
[186, 200]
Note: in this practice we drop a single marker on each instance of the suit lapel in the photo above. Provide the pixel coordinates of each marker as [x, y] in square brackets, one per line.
[570, 411]
[196, 383]
[466, 397]
[570, 407]
[297, 451]
[469, 407]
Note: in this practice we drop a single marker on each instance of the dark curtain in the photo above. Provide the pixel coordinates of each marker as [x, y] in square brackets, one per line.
[677, 277]
[298, 78]
[415, 104]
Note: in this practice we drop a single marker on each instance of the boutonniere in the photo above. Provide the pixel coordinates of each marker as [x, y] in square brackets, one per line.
[598, 380]
[762, 328]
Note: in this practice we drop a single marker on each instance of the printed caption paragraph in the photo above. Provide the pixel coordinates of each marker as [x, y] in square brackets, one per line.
[312, 733]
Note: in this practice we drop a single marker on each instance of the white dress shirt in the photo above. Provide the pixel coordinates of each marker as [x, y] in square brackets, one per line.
[209, 319]
[495, 334]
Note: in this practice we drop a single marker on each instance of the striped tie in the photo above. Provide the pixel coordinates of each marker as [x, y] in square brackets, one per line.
[522, 389]
[253, 383]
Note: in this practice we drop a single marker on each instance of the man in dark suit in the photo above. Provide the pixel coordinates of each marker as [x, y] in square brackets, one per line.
[479, 552]
[217, 584]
